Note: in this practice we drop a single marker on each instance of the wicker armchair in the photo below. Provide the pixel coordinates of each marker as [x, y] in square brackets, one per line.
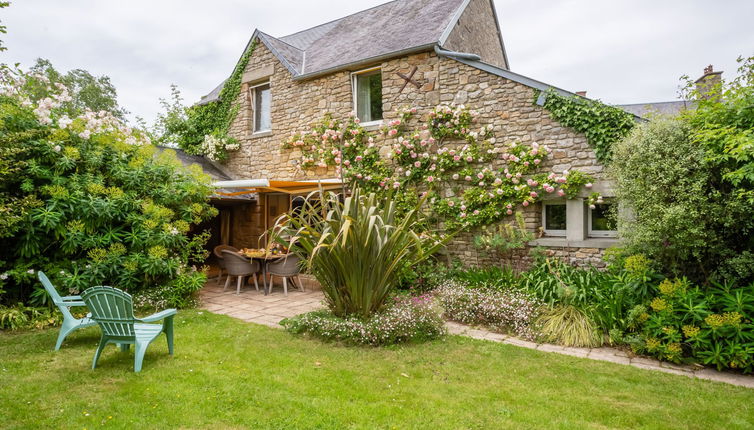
[218, 251]
[286, 268]
[239, 266]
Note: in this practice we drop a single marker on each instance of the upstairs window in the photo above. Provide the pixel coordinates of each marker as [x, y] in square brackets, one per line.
[603, 220]
[554, 218]
[261, 99]
[368, 95]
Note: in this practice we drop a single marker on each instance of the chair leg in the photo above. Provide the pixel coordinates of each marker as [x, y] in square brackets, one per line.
[168, 328]
[227, 282]
[102, 344]
[285, 285]
[256, 283]
[141, 349]
[300, 284]
[238, 288]
[219, 275]
[271, 283]
[65, 330]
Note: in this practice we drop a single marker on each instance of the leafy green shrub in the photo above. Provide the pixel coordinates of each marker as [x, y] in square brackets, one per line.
[712, 326]
[357, 249]
[89, 200]
[689, 182]
[569, 326]
[408, 319]
[26, 317]
[509, 311]
[500, 278]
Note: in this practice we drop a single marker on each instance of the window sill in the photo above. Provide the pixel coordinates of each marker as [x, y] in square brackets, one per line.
[372, 125]
[561, 242]
[264, 133]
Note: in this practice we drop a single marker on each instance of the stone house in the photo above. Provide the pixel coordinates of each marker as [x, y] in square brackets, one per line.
[407, 52]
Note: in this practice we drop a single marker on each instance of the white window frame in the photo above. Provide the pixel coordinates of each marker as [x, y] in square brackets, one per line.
[553, 233]
[253, 92]
[354, 88]
[599, 233]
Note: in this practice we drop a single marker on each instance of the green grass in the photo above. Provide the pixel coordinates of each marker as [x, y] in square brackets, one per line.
[231, 374]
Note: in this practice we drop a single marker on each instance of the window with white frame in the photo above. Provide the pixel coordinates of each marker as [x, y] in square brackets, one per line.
[261, 99]
[554, 218]
[603, 220]
[367, 95]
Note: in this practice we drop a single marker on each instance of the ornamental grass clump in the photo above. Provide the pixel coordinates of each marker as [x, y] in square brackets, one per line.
[357, 248]
[509, 311]
[406, 319]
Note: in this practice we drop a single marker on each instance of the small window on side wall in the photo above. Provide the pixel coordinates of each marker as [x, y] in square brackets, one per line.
[262, 101]
[603, 220]
[367, 88]
[554, 218]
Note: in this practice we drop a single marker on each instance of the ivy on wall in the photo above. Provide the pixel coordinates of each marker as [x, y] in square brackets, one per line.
[204, 130]
[446, 155]
[602, 125]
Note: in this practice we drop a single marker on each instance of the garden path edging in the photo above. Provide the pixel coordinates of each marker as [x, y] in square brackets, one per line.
[611, 355]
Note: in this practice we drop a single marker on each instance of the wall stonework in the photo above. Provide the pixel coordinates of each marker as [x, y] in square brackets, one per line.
[477, 32]
[505, 105]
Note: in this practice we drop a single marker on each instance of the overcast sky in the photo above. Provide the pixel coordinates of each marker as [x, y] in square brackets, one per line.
[619, 51]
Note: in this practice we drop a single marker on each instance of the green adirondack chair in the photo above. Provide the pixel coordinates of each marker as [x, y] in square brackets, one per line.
[113, 310]
[70, 323]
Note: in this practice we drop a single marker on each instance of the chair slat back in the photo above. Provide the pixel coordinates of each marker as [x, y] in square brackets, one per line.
[56, 299]
[112, 308]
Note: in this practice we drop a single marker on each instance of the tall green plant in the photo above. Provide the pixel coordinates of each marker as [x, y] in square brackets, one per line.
[356, 248]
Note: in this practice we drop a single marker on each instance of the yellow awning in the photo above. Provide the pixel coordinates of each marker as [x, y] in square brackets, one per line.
[247, 186]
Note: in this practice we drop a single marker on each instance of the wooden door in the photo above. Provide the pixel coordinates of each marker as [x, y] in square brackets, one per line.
[277, 204]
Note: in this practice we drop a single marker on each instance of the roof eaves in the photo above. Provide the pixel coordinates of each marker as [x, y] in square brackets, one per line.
[456, 16]
[524, 80]
[365, 61]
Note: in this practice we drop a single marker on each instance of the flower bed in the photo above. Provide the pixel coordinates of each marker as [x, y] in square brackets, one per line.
[508, 311]
[407, 319]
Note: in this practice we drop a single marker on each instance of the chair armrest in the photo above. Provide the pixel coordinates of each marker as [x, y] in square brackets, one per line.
[159, 315]
[71, 298]
[71, 304]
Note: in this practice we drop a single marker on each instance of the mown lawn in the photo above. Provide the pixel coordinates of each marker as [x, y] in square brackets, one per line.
[231, 374]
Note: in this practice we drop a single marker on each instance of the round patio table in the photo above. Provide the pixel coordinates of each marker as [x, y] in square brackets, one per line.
[263, 260]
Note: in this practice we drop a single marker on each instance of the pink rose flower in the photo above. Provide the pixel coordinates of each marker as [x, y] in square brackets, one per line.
[430, 178]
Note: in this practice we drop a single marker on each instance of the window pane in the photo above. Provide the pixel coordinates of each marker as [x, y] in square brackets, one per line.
[262, 99]
[603, 218]
[369, 96]
[555, 217]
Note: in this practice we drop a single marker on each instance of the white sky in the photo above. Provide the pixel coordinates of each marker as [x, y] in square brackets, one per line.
[620, 51]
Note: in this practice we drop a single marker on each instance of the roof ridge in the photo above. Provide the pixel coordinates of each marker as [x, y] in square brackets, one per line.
[340, 19]
[281, 41]
[649, 103]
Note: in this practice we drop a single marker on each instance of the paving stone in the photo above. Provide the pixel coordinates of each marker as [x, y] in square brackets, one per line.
[550, 348]
[575, 352]
[521, 343]
[727, 377]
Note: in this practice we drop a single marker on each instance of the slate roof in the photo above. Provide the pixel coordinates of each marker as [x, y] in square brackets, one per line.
[645, 110]
[390, 29]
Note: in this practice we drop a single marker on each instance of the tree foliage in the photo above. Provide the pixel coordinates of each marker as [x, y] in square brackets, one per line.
[690, 182]
[96, 93]
[89, 200]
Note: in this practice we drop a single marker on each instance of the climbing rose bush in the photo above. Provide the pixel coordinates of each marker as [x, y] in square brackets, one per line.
[90, 201]
[445, 153]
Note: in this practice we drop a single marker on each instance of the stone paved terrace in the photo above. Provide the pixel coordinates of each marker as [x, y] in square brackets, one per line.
[255, 307]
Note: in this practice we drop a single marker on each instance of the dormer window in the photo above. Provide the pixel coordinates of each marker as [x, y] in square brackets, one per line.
[367, 97]
[261, 100]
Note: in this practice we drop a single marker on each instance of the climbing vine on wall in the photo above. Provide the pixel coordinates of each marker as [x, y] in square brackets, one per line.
[446, 154]
[203, 129]
[602, 125]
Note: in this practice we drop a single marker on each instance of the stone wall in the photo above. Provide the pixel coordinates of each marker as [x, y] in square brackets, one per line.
[504, 104]
[476, 32]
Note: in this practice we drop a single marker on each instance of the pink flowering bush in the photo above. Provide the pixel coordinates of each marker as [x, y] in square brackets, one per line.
[510, 311]
[407, 319]
[445, 149]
